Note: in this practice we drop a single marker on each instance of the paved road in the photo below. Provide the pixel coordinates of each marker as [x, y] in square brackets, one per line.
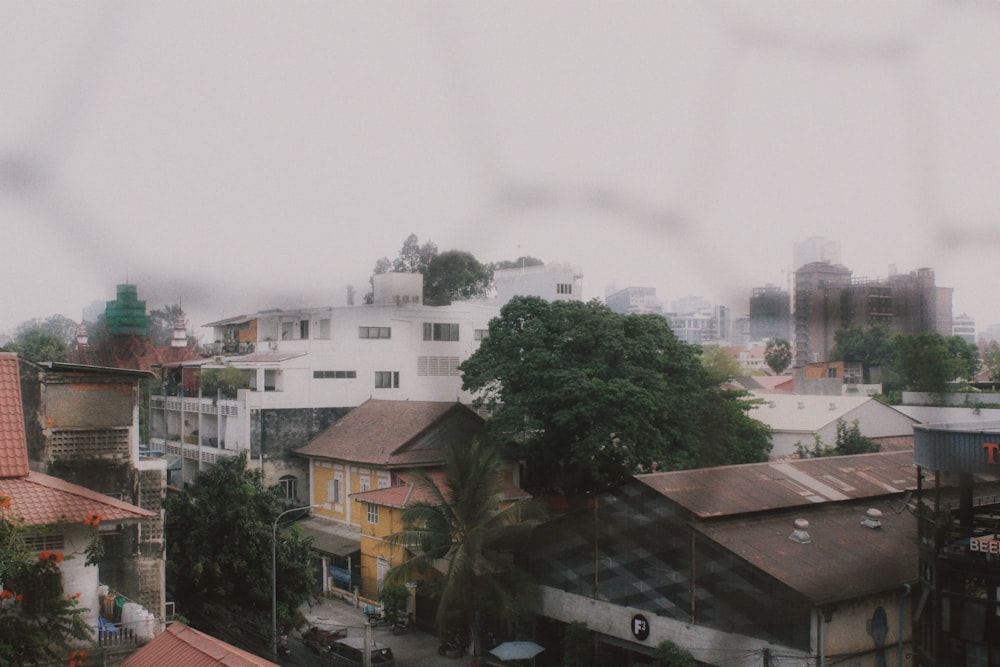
[412, 649]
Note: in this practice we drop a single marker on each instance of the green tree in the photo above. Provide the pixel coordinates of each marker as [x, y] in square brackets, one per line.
[227, 380]
[873, 346]
[964, 356]
[219, 545]
[38, 621]
[848, 441]
[591, 396]
[466, 525]
[160, 324]
[720, 366]
[991, 360]
[50, 339]
[926, 362]
[778, 355]
[454, 275]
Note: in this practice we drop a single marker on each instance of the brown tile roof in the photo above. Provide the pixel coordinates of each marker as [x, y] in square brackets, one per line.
[13, 449]
[41, 500]
[844, 560]
[758, 487]
[183, 646]
[396, 434]
[412, 491]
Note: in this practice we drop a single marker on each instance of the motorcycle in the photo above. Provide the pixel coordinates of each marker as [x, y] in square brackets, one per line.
[402, 624]
[376, 617]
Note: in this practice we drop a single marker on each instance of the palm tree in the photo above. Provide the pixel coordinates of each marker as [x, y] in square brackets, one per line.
[465, 529]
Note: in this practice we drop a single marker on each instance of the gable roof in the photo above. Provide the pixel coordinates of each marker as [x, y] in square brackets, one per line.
[807, 413]
[759, 487]
[41, 499]
[183, 646]
[396, 434]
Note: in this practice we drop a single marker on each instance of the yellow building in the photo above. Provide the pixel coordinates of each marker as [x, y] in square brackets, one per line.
[358, 470]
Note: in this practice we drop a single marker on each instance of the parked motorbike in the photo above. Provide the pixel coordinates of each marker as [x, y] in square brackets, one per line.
[402, 624]
[376, 616]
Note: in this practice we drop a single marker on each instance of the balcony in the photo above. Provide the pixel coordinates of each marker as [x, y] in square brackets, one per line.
[123, 623]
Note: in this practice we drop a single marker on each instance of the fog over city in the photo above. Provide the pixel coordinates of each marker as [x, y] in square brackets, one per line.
[240, 156]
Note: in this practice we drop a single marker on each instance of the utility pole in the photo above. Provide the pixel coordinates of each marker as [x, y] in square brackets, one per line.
[369, 645]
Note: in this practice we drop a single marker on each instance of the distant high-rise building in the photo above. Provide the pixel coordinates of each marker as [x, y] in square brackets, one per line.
[991, 332]
[634, 300]
[689, 304]
[770, 313]
[828, 299]
[815, 249]
[964, 326]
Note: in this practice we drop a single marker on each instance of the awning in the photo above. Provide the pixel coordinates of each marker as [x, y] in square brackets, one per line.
[331, 537]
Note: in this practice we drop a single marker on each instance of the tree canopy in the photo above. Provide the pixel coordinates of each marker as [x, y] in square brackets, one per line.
[591, 396]
[455, 275]
[219, 545]
[778, 355]
[39, 340]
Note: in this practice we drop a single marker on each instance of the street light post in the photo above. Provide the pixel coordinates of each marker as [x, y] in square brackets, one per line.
[274, 573]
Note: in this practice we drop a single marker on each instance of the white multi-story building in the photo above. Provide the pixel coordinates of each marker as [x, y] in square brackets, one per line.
[553, 282]
[964, 326]
[306, 368]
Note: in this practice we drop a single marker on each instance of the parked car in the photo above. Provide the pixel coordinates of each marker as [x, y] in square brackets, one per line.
[321, 639]
[347, 652]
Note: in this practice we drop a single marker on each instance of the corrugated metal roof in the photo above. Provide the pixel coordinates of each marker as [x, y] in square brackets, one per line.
[758, 487]
[332, 537]
[412, 491]
[806, 413]
[844, 560]
[183, 646]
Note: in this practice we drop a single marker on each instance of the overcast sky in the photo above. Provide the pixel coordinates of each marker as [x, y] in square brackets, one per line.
[244, 155]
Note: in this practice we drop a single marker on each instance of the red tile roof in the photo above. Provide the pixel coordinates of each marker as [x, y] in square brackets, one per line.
[396, 434]
[183, 646]
[13, 449]
[40, 499]
[412, 491]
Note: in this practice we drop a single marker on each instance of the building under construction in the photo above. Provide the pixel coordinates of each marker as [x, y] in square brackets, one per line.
[829, 298]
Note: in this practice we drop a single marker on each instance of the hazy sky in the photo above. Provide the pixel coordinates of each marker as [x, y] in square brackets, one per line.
[247, 155]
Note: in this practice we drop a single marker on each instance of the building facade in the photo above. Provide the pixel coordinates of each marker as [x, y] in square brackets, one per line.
[304, 370]
[770, 313]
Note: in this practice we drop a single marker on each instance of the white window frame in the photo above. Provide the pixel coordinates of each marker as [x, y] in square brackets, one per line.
[372, 513]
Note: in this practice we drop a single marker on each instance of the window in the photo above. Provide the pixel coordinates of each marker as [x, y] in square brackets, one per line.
[387, 379]
[481, 334]
[564, 288]
[427, 366]
[304, 329]
[366, 484]
[45, 543]
[334, 375]
[372, 513]
[333, 490]
[288, 487]
[439, 331]
[374, 332]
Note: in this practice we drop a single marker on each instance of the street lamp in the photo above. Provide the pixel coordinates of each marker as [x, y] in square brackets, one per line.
[274, 572]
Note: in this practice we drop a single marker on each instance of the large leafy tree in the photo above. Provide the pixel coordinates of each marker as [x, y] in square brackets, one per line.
[38, 621]
[454, 275]
[778, 355]
[219, 545]
[928, 362]
[39, 340]
[465, 524]
[991, 360]
[591, 396]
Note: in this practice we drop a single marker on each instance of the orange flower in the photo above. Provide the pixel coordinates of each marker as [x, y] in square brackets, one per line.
[93, 520]
[44, 555]
[6, 595]
[5, 501]
[18, 597]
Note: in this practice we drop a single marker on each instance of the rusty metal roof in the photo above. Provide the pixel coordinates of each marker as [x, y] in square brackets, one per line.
[844, 560]
[760, 487]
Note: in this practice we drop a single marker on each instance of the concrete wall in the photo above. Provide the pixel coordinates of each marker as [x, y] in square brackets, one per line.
[708, 646]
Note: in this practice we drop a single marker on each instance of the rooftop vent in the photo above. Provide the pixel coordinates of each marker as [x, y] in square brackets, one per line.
[800, 534]
[802, 405]
[873, 519]
[833, 406]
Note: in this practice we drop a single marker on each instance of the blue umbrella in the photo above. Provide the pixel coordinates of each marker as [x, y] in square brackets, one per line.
[517, 650]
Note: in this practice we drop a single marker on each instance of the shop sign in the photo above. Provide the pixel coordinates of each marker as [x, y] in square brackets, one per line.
[640, 627]
[986, 545]
[992, 457]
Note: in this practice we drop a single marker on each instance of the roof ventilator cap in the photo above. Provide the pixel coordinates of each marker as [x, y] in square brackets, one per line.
[800, 534]
[873, 519]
